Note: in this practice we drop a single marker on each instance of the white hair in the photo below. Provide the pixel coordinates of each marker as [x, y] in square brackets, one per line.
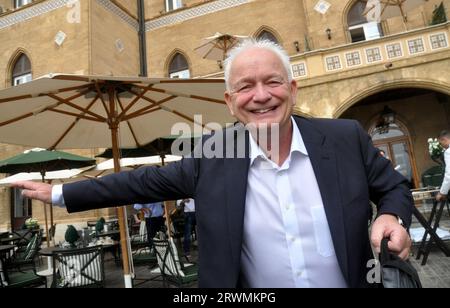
[256, 44]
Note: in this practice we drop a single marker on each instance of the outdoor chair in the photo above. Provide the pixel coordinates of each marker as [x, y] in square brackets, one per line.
[24, 256]
[173, 270]
[15, 276]
[79, 268]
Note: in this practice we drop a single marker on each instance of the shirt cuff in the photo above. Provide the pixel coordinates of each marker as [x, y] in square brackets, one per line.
[57, 196]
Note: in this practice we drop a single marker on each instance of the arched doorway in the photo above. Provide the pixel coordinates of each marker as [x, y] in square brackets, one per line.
[420, 114]
[396, 143]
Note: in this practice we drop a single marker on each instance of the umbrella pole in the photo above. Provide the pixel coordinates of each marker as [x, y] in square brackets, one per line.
[166, 210]
[45, 215]
[121, 211]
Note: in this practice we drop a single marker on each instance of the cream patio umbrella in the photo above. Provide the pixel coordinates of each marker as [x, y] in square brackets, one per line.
[216, 47]
[70, 111]
[378, 10]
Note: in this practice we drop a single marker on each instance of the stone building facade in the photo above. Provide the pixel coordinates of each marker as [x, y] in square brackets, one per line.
[345, 66]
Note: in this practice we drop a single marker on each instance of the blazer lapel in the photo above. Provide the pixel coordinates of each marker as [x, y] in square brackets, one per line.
[323, 160]
[236, 175]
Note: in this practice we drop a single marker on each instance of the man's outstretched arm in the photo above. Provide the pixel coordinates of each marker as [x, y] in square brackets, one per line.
[144, 185]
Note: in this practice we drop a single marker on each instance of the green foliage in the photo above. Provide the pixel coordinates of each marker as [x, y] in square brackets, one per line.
[439, 15]
[71, 235]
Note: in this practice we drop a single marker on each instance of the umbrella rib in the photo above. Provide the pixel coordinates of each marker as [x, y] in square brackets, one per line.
[74, 123]
[16, 119]
[142, 112]
[128, 123]
[72, 114]
[69, 103]
[99, 93]
[135, 100]
[15, 98]
[208, 99]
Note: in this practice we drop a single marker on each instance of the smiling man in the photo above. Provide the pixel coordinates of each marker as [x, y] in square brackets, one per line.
[295, 217]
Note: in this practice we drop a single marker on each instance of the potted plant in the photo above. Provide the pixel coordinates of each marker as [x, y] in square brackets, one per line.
[71, 236]
[99, 226]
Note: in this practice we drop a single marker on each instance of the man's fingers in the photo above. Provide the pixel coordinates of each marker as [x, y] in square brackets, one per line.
[395, 246]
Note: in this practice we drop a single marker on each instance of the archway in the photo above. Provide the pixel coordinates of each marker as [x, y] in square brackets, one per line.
[418, 114]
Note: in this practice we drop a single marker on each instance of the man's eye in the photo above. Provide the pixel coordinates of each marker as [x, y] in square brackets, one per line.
[274, 83]
[244, 88]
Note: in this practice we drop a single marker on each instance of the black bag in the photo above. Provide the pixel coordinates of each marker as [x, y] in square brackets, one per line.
[396, 273]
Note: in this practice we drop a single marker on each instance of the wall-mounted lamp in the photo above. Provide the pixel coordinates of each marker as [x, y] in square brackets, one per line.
[328, 31]
[219, 63]
[387, 117]
[297, 46]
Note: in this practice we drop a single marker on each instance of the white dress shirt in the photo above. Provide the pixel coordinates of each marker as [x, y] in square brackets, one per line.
[445, 187]
[287, 241]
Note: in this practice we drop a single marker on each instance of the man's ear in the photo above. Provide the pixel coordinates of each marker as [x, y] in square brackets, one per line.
[294, 91]
[229, 102]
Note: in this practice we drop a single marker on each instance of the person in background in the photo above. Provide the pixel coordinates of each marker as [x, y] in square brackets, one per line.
[189, 224]
[154, 220]
[444, 140]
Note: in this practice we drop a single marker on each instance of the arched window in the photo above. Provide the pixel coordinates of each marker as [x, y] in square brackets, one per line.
[360, 29]
[179, 67]
[266, 35]
[396, 144]
[21, 72]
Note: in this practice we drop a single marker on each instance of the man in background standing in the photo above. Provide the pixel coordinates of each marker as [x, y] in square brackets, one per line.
[154, 220]
[189, 224]
[444, 140]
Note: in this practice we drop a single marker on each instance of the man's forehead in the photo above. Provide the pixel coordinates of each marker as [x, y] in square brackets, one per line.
[250, 59]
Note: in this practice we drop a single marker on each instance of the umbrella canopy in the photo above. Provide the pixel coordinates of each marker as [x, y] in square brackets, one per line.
[58, 176]
[107, 166]
[378, 10]
[216, 47]
[75, 112]
[160, 146]
[42, 161]
[72, 111]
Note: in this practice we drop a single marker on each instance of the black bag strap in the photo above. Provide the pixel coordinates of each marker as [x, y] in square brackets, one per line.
[387, 259]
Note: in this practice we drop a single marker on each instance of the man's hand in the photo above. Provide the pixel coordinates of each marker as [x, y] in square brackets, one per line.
[399, 240]
[34, 190]
[440, 197]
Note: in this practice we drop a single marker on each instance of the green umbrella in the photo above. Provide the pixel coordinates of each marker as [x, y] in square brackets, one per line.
[42, 161]
[160, 146]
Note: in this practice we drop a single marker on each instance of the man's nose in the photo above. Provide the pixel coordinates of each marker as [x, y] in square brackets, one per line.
[261, 94]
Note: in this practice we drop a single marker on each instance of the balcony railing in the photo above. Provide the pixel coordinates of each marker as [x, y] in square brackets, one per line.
[385, 50]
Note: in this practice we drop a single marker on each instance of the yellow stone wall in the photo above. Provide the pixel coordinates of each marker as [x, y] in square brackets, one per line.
[45, 55]
[106, 59]
[246, 19]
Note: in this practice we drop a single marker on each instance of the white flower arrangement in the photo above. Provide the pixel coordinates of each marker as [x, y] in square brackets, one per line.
[434, 147]
[31, 223]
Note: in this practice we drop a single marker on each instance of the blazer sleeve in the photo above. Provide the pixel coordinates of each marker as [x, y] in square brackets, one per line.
[388, 189]
[445, 187]
[143, 185]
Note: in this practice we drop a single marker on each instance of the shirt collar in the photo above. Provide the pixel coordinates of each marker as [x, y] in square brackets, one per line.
[297, 145]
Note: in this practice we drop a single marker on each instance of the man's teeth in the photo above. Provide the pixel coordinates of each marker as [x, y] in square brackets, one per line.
[263, 110]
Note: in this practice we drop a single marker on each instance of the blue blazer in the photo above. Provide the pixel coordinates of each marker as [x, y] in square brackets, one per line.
[349, 173]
